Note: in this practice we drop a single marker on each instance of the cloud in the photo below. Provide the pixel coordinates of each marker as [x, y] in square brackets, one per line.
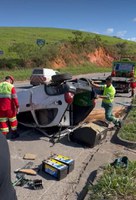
[109, 30]
[96, 32]
[132, 39]
[134, 20]
[121, 33]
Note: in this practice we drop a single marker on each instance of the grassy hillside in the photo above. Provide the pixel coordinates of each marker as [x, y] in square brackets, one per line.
[9, 36]
[12, 35]
[67, 49]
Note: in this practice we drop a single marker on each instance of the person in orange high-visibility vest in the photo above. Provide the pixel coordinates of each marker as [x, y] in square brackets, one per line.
[9, 107]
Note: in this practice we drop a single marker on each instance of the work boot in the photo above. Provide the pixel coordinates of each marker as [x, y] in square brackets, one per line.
[118, 124]
[14, 135]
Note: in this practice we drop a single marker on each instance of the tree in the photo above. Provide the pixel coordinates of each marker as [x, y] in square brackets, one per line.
[122, 48]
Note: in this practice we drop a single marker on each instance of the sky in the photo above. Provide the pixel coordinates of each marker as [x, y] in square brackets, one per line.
[107, 17]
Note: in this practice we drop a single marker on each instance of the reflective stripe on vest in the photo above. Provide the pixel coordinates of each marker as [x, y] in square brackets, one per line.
[110, 93]
[5, 90]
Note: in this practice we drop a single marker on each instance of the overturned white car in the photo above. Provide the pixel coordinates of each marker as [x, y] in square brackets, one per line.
[65, 102]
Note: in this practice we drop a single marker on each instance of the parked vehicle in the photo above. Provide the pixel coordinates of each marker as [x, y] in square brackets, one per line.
[42, 75]
[123, 73]
[123, 68]
[53, 105]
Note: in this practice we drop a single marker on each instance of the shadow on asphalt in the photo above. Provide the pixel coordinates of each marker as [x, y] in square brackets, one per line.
[116, 140]
[67, 142]
[26, 134]
[89, 182]
[30, 134]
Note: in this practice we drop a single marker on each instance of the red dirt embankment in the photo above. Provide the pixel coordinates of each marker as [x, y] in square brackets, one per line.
[99, 57]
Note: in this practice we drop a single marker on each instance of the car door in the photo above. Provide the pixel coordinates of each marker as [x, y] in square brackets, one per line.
[25, 100]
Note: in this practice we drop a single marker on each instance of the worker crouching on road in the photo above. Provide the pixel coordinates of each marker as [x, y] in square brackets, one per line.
[9, 107]
[107, 100]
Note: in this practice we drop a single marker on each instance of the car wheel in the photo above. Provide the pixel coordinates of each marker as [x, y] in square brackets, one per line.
[61, 77]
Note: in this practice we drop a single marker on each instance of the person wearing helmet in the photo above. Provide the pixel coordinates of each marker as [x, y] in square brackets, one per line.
[9, 107]
[107, 100]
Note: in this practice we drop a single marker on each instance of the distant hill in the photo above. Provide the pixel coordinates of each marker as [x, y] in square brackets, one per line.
[19, 45]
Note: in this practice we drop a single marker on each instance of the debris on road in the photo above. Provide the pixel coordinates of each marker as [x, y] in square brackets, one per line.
[29, 156]
[27, 171]
[32, 184]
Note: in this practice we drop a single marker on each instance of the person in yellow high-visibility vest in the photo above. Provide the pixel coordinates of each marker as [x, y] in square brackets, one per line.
[9, 107]
[107, 100]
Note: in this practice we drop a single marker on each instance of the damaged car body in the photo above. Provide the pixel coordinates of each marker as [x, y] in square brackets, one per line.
[63, 103]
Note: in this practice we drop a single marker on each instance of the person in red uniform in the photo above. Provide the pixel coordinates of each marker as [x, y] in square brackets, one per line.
[132, 85]
[9, 107]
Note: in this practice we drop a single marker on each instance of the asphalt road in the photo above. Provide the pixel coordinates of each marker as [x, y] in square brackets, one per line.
[86, 160]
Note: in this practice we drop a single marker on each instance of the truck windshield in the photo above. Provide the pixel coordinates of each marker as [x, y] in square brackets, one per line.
[124, 66]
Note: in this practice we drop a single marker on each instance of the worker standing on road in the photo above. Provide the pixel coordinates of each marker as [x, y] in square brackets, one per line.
[9, 107]
[7, 192]
[132, 85]
[107, 100]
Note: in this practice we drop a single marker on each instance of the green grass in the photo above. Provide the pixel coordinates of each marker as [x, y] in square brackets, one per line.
[18, 74]
[128, 130]
[115, 184]
[24, 73]
[85, 69]
[11, 35]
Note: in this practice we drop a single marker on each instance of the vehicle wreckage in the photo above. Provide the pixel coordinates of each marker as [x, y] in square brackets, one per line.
[56, 107]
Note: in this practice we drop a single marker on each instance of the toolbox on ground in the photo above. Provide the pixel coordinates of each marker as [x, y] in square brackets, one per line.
[89, 134]
[55, 168]
[65, 160]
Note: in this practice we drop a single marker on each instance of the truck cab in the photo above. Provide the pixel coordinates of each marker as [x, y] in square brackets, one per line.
[123, 68]
[123, 74]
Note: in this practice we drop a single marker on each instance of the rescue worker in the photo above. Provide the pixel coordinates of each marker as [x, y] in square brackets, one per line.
[107, 100]
[7, 192]
[9, 107]
[132, 85]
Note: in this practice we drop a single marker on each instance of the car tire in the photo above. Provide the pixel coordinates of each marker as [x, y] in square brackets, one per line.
[61, 77]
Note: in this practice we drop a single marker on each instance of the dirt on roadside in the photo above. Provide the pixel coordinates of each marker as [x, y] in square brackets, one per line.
[99, 113]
